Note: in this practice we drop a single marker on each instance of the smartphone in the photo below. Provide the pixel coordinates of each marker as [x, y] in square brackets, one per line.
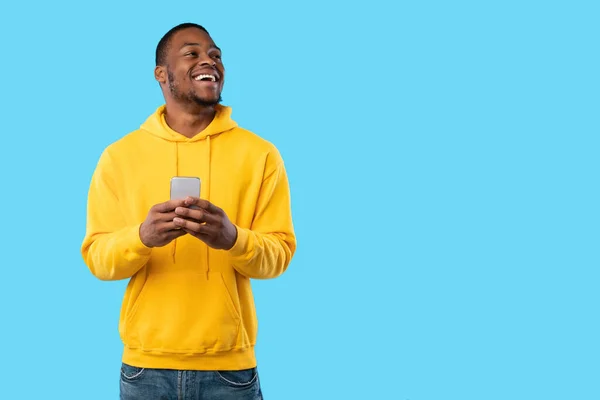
[184, 186]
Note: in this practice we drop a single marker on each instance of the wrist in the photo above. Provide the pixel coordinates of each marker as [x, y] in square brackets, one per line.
[240, 245]
[233, 235]
[143, 240]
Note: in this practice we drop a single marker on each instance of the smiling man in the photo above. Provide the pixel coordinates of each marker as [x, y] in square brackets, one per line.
[188, 320]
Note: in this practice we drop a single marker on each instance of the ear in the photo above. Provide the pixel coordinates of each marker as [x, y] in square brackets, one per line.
[160, 74]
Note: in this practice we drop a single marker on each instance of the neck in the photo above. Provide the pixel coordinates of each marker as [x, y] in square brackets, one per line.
[188, 121]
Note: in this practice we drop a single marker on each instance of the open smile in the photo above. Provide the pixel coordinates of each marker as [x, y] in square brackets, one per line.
[206, 78]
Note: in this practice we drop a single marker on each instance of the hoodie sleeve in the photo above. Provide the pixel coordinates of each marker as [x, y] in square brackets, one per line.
[111, 249]
[266, 249]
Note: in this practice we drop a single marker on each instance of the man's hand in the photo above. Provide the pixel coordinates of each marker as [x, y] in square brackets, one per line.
[208, 223]
[159, 229]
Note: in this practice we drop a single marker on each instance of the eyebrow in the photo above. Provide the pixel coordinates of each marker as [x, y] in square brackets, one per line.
[214, 46]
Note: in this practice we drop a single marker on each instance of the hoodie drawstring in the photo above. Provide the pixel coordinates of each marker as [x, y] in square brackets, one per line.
[207, 158]
[176, 174]
[207, 194]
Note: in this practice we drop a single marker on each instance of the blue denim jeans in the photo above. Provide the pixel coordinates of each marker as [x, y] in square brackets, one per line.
[163, 384]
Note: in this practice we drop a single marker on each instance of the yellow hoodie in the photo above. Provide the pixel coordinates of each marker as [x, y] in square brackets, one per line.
[188, 306]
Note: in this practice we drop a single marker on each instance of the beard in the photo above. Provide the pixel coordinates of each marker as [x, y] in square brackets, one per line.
[190, 96]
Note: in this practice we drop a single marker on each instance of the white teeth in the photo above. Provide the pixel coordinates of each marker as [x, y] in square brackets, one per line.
[203, 76]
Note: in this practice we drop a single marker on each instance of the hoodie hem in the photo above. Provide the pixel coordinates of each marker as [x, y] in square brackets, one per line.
[231, 360]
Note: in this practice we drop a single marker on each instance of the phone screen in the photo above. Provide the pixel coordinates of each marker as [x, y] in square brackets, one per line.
[184, 186]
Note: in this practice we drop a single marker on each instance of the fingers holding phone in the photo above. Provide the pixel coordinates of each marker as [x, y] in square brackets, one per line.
[187, 213]
[207, 222]
[158, 229]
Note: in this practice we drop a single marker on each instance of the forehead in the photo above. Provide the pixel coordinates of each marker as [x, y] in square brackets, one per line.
[190, 36]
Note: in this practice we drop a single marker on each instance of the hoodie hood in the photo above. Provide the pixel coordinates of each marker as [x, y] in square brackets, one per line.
[156, 125]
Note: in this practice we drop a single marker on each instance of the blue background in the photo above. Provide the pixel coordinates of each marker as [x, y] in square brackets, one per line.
[443, 160]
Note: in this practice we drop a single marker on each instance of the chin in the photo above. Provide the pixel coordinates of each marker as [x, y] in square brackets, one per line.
[208, 101]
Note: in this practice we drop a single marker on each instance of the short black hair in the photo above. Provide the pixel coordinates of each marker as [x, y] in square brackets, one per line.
[163, 45]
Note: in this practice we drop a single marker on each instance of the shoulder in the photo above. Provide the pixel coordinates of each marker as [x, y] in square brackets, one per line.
[114, 153]
[125, 144]
[253, 140]
[256, 145]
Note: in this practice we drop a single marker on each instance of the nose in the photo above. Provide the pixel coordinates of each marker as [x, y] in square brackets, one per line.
[205, 59]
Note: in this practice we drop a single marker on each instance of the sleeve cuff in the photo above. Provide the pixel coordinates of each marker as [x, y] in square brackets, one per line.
[137, 245]
[240, 247]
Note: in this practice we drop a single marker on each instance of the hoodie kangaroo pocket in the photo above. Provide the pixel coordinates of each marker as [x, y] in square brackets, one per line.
[183, 313]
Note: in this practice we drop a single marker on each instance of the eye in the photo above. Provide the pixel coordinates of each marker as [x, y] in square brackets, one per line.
[191, 53]
[217, 56]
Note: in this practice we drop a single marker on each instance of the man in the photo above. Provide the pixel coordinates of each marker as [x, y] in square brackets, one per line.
[188, 320]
